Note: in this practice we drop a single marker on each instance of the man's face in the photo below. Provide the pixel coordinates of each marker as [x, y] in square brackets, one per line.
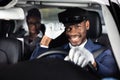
[33, 25]
[76, 33]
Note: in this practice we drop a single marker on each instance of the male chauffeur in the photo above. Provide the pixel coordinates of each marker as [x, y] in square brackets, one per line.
[80, 47]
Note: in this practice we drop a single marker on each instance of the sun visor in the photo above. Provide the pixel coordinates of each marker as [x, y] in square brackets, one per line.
[12, 14]
[5, 4]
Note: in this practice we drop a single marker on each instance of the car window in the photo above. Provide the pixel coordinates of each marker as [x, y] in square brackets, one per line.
[50, 14]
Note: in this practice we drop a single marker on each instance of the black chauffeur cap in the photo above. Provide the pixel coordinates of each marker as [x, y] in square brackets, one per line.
[72, 15]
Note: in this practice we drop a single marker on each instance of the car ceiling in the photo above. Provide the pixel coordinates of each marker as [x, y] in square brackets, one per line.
[11, 3]
[39, 2]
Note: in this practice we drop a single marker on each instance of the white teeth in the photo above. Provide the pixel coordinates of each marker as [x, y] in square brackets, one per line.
[75, 38]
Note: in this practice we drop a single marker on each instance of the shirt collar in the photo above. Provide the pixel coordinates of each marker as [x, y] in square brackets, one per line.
[40, 34]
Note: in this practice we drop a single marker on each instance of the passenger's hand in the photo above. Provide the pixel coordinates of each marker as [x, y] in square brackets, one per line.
[53, 30]
[80, 56]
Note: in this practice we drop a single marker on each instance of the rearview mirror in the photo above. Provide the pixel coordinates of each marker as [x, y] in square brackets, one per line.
[12, 14]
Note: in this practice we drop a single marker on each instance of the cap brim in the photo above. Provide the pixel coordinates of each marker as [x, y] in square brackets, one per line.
[72, 15]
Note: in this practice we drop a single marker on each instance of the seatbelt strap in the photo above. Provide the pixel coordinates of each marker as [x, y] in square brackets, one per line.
[98, 52]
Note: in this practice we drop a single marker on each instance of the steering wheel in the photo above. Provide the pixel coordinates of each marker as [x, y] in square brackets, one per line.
[64, 53]
[52, 52]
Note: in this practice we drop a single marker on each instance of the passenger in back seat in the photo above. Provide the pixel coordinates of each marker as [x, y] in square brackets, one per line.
[36, 31]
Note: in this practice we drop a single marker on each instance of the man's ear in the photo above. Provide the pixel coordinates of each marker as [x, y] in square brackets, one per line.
[87, 24]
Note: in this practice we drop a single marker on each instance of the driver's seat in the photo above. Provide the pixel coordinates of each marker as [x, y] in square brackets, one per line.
[95, 31]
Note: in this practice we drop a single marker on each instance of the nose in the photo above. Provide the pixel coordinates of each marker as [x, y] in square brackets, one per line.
[32, 26]
[73, 29]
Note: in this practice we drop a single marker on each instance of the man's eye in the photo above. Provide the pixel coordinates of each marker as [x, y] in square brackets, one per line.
[30, 23]
[68, 29]
[78, 25]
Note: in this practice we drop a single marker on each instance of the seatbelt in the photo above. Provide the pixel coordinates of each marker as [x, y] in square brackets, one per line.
[98, 52]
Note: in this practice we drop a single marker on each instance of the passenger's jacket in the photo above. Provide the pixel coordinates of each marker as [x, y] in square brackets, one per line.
[106, 65]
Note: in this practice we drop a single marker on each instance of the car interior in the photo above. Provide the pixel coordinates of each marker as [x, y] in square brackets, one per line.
[12, 43]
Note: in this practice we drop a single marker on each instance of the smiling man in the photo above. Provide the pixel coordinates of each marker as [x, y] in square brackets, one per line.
[80, 47]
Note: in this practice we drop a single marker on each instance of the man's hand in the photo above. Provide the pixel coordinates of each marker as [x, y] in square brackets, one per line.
[53, 30]
[80, 56]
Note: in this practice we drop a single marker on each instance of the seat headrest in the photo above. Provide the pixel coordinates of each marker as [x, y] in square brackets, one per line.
[7, 27]
[95, 25]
